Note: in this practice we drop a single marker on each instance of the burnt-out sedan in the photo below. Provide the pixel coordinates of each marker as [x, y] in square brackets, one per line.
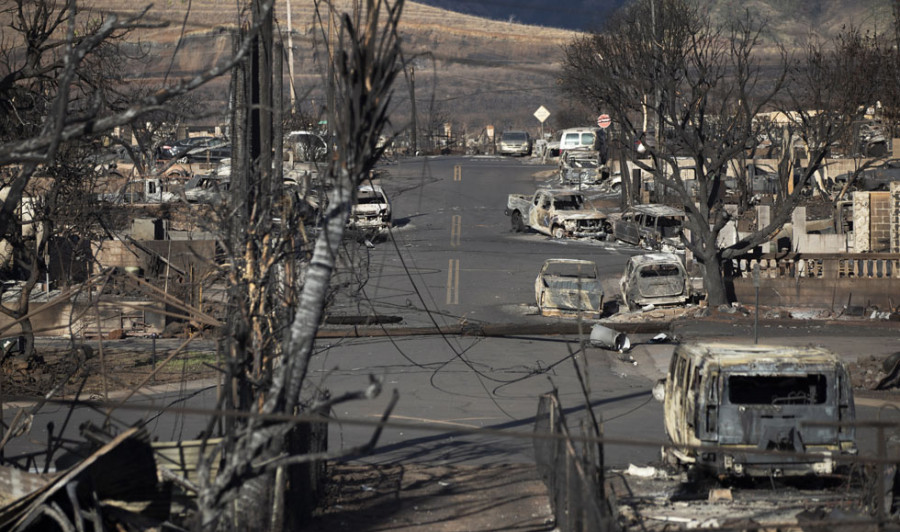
[569, 287]
[655, 279]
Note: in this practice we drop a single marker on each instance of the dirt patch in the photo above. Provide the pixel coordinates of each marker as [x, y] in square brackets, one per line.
[434, 498]
[89, 368]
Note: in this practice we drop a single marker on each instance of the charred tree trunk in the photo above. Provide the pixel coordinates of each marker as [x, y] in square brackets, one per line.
[714, 279]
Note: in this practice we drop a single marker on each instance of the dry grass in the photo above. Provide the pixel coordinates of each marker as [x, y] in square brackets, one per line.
[470, 70]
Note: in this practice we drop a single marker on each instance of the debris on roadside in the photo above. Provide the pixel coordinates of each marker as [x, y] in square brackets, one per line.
[606, 338]
[116, 487]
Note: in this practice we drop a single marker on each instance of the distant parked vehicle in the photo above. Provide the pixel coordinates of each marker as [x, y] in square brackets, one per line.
[879, 178]
[207, 189]
[515, 143]
[307, 146]
[581, 138]
[211, 153]
[174, 149]
[140, 191]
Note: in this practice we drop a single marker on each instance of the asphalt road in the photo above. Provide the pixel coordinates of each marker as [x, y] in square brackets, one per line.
[452, 259]
[453, 255]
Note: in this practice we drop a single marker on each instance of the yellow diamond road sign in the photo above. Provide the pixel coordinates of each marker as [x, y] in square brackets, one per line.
[541, 114]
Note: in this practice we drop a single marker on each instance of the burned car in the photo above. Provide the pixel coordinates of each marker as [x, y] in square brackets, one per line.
[756, 410]
[560, 213]
[651, 226]
[372, 211]
[655, 279]
[569, 287]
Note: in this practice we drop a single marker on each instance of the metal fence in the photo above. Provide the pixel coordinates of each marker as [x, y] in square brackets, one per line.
[572, 472]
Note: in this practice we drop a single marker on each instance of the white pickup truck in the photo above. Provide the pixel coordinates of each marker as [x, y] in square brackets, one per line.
[558, 213]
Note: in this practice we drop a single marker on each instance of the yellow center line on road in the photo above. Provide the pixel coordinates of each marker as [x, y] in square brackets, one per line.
[455, 230]
[453, 282]
[457, 173]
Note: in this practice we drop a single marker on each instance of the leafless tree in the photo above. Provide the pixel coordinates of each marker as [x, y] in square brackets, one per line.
[278, 294]
[692, 93]
[49, 96]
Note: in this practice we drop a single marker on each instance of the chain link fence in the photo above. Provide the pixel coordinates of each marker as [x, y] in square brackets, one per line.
[572, 472]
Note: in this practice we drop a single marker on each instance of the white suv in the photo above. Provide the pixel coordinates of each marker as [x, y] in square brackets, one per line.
[586, 138]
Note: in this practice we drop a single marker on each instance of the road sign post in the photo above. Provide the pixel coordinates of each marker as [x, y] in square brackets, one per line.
[604, 121]
[542, 114]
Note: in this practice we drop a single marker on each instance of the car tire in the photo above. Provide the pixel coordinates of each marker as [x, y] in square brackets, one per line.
[518, 224]
[558, 231]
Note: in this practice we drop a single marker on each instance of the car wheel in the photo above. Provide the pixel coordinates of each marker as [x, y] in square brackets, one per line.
[558, 231]
[518, 224]
[616, 187]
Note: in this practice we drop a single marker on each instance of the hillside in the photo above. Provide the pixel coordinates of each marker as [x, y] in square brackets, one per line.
[790, 19]
[470, 70]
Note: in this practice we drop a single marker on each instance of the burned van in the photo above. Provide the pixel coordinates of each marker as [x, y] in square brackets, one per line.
[758, 410]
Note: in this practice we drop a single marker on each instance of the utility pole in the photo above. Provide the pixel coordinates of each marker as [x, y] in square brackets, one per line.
[330, 89]
[290, 29]
[412, 100]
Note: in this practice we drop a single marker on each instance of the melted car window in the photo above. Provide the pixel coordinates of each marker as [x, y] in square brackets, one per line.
[567, 203]
[774, 390]
[660, 270]
[370, 199]
[563, 269]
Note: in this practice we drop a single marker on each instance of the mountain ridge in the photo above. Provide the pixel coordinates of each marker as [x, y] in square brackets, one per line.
[470, 70]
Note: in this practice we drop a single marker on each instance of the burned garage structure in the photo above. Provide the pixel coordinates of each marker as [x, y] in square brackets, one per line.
[758, 410]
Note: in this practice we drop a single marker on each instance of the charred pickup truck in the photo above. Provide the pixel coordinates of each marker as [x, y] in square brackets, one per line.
[755, 410]
[569, 287]
[559, 213]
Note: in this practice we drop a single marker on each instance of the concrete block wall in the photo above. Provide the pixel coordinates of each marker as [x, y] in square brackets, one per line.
[880, 221]
[894, 213]
[802, 242]
[115, 253]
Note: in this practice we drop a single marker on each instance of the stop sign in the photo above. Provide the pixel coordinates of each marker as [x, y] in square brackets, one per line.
[604, 121]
